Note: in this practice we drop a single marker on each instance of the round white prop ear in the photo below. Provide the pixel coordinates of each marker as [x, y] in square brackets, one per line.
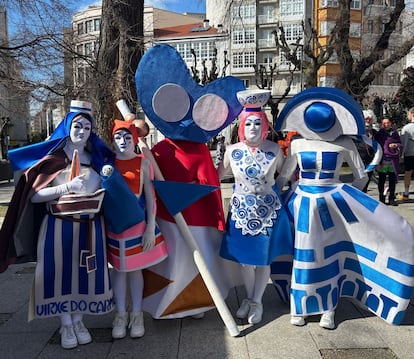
[171, 102]
[210, 112]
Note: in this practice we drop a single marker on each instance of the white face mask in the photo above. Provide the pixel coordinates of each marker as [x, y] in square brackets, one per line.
[123, 142]
[80, 130]
[253, 129]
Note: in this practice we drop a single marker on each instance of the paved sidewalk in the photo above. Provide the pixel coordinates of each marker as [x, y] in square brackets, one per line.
[359, 334]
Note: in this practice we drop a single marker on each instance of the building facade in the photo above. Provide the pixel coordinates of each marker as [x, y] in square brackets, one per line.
[14, 102]
[252, 24]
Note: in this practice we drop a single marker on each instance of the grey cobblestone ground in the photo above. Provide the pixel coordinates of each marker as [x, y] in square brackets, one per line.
[359, 334]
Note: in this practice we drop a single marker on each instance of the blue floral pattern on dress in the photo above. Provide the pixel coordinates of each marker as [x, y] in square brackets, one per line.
[254, 212]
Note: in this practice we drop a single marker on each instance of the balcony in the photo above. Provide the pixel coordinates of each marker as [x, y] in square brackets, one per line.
[266, 43]
[266, 19]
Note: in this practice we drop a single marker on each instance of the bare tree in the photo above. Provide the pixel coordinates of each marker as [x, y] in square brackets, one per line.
[356, 75]
[121, 47]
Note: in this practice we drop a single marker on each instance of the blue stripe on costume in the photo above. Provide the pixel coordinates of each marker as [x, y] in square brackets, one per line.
[344, 208]
[347, 246]
[316, 189]
[67, 230]
[83, 244]
[49, 260]
[324, 214]
[367, 201]
[400, 267]
[304, 255]
[329, 160]
[303, 216]
[305, 276]
[308, 159]
[101, 266]
[382, 280]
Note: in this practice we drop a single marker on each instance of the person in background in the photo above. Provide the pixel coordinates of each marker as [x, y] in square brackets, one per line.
[220, 149]
[407, 138]
[365, 151]
[390, 141]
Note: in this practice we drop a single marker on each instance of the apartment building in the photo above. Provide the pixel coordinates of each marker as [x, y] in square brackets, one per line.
[251, 24]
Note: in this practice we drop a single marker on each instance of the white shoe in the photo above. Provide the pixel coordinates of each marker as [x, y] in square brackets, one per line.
[297, 320]
[199, 315]
[328, 320]
[243, 311]
[119, 325]
[255, 313]
[82, 334]
[136, 325]
[67, 337]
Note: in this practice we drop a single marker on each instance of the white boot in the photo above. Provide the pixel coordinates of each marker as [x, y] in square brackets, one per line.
[328, 320]
[255, 313]
[82, 334]
[243, 311]
[297, 320]
[136, 325]
[119, 325]
[68, 338]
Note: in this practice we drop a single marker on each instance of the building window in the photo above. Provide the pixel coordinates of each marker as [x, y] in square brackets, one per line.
[244, 36]
[327, 81]
[246, 83]
[326, 27]
[293, 32]
[80, 28]
[79, 49]
[97, 24]
[356, 4]
[291, 7]
[244, 59]
[88, 26]
[203, 50]
[89, 49]
[370, 26]
[355, 29]
[329, 3]
[246, 12]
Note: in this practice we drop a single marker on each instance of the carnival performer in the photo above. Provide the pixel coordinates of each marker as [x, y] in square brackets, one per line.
[139, 246]
[347, 244]
[258, 228]
[71, 277]
[188, 115]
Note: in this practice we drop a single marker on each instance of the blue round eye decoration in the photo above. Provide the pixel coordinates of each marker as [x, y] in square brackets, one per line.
[319, 117]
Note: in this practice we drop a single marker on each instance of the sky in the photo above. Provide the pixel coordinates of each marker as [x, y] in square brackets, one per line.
[179, 6]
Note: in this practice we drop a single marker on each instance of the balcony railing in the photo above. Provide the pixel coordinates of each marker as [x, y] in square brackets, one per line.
[266, 43]
[266, 19]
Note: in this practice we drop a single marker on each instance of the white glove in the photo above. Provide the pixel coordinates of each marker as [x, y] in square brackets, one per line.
[148, 239]
[50, 193]
[77, 185]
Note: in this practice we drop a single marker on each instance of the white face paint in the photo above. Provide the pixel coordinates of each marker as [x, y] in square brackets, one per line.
[123, 142]
[253, 129]
[80, 130]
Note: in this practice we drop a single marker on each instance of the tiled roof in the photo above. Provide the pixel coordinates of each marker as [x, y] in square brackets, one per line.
[185, 30]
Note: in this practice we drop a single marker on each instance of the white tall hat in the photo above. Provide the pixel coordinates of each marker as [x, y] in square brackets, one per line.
[80, 106]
